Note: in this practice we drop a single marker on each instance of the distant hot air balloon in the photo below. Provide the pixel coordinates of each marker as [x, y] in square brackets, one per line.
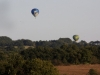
[35, 12]
[75, 37]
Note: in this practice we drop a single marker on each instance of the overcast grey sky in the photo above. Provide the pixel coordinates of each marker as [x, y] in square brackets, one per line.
[57, 19]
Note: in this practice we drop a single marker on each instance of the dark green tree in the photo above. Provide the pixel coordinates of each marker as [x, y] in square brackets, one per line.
[5, 41]
[92, 72]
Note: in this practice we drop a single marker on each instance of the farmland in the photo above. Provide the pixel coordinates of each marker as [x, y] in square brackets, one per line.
[77, 69]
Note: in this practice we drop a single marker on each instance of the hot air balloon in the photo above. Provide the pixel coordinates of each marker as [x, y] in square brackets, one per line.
[75, 37]
[35, 12]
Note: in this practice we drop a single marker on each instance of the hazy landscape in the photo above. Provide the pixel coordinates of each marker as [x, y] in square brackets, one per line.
[62, 56]
[54, 37]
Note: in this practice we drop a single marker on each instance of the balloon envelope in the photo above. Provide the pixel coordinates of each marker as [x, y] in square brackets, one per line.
[35, 12]
[75, 37]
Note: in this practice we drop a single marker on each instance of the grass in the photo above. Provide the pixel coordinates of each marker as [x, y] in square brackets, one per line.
[25, 47]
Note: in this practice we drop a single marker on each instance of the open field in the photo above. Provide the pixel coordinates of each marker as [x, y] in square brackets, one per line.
[77, 69]
[25, 47]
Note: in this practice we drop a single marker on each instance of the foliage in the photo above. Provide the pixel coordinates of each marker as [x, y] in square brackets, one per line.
[93, 72]
[39, 67]
[23, 42]
[17, 66]
[5, 41]
[37, 58]
[64, 55]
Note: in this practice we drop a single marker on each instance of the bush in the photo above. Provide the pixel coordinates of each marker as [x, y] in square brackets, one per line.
[93, 72]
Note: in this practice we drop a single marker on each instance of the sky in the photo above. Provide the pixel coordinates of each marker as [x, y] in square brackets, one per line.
[56, 19]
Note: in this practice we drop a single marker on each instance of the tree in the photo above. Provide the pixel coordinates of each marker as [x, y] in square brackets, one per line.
[65, 40]
[39, 67]
[5, 41]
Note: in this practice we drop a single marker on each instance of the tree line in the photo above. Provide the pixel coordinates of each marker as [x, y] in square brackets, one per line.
[6, 41]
